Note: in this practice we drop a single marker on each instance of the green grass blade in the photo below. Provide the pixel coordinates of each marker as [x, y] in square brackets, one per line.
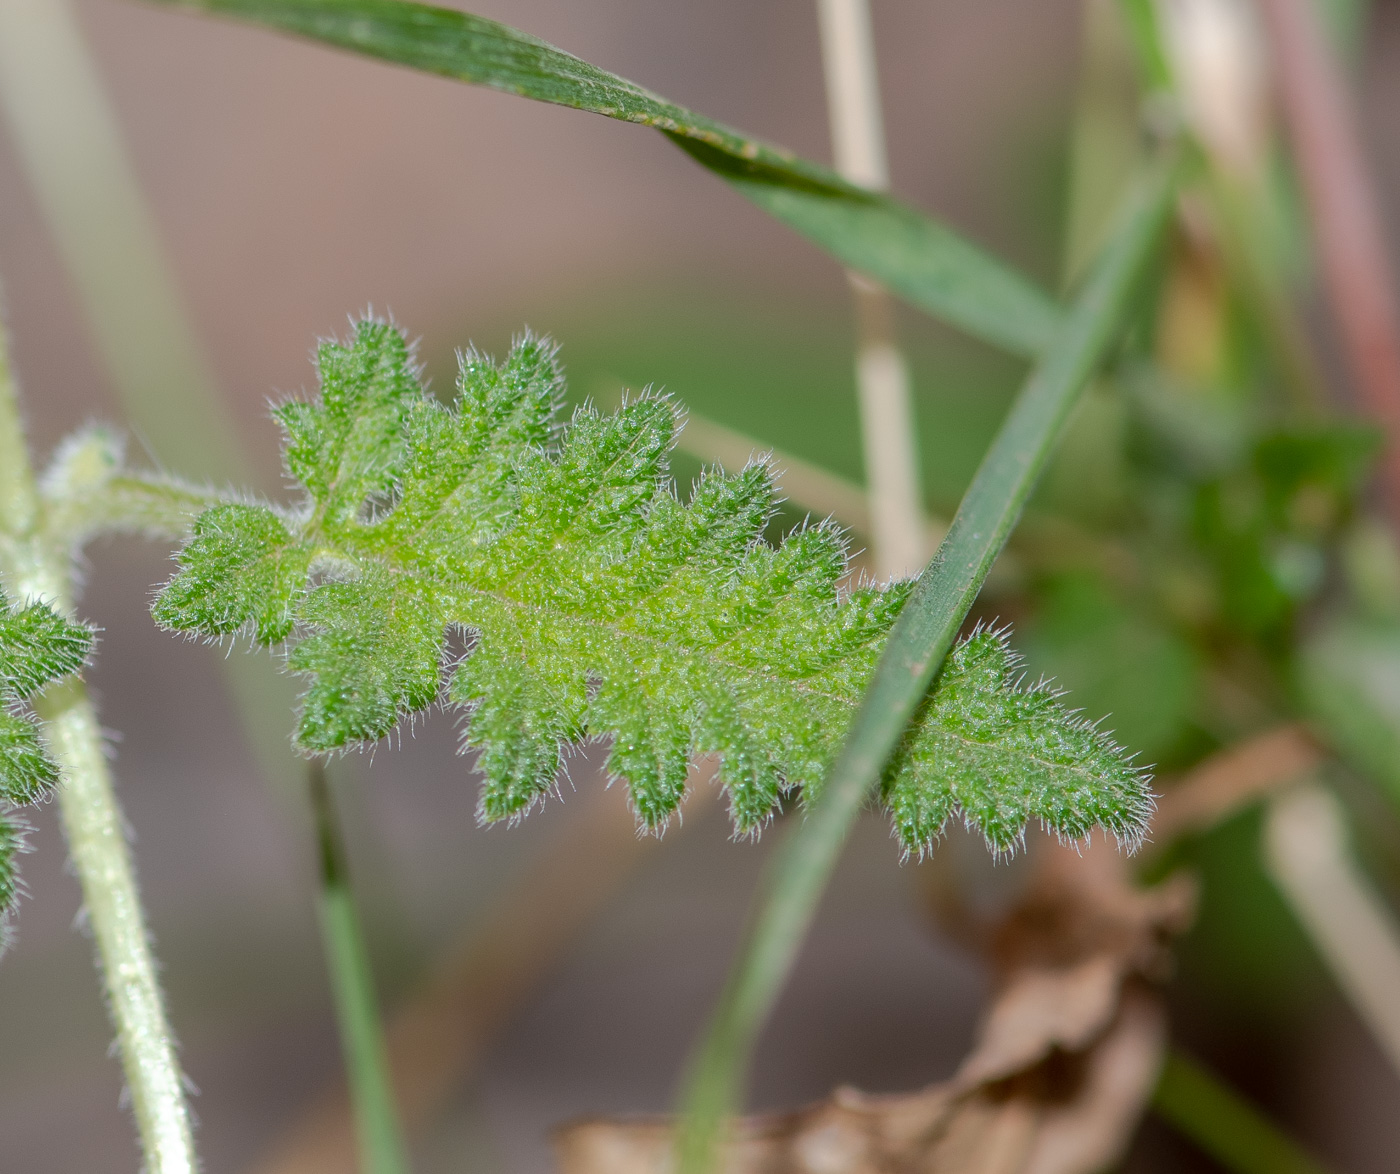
[357, 1010]
[921, 639]
[1224, 1124]
[1140, 18]
[918, 259]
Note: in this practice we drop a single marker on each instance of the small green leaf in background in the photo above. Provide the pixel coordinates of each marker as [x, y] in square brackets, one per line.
[597, 604]
[1119, 663]
[1267, 525]
[1349, 680]
[916, 257]
[37, 646]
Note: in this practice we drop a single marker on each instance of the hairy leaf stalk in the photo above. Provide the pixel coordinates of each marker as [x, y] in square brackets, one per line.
[36, 567]
[921, 639]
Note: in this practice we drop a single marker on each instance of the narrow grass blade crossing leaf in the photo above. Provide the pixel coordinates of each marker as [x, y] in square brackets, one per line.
[920, 641]
[917, 258]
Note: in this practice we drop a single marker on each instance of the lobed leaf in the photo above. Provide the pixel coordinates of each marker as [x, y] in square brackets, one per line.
[250, 552]
[1005, 754]
[919, 645]
[37, 647]
[346, 449]
[597, 604]
[26, 771]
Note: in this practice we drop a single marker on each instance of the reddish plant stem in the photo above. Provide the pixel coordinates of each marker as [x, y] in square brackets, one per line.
[1346, 220]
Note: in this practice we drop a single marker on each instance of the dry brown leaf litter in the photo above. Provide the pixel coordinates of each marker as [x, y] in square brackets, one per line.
[1064, 1063]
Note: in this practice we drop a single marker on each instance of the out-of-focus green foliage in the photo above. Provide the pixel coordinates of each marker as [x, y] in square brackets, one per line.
[1181, 573]
[1264, 523]
[1121, 665]
[1246, 954]
[37, 647]
[1349, 678]
[599, 604]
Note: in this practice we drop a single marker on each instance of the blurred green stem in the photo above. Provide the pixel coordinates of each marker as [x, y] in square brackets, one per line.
[1265, 291]
[357, 1012]
[37, 568]
[1224, 1124]
[922, 637]
[1245, 203]
[70, 149]
[1106, 145]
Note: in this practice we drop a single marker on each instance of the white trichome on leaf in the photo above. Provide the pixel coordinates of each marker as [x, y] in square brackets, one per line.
[598, 604]
[37, 647]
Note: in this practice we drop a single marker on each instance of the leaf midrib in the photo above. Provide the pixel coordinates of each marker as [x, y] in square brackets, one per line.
[621, 635]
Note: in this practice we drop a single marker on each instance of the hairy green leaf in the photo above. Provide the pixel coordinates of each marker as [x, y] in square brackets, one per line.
[37, 646]
[918, 258]
[596, 603]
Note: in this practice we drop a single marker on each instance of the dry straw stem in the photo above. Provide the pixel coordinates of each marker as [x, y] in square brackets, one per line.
[1308, 856]
[824, 493]
[1307, 853]
[1349, 240]
[897, 525]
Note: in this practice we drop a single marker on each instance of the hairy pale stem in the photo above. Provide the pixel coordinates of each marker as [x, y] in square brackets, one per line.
[357, 1011]
[92, 822]
[922, 637]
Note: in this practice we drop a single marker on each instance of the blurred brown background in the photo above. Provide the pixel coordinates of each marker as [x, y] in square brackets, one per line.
[292, 187]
